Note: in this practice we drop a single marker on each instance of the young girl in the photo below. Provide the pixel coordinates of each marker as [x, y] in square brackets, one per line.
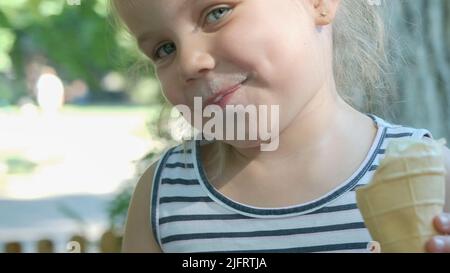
[300, 197]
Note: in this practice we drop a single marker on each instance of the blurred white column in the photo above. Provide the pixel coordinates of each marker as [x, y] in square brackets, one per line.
[50, 93]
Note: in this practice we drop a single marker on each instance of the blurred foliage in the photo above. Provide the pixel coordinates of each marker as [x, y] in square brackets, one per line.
[19, 165]
[118, 208]
[79, 41]
[74, 215]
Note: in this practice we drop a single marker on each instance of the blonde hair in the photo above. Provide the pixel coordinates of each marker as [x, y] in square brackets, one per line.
[361, 63]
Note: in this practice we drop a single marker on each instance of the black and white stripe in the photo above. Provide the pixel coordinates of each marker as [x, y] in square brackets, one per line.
[189, 215]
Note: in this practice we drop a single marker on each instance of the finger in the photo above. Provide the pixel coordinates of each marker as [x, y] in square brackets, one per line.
[439, 244]
[442, 223]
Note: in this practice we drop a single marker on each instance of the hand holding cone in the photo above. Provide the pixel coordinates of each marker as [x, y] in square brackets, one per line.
[406, 192]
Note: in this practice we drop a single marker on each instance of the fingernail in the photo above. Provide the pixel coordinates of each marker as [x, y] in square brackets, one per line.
[439, 244]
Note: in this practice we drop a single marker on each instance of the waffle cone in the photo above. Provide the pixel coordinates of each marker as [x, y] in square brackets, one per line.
[407, 191]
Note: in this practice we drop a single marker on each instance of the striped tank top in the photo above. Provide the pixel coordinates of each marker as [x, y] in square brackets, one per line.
[189, 215]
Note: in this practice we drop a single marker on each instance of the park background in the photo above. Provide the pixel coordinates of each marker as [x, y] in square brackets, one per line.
[80, 107]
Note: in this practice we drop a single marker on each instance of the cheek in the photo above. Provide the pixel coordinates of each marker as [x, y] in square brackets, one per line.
[170, 90]
[282, 79]
[277, 54]
[173, 95]
[291, 63]
[287, 63]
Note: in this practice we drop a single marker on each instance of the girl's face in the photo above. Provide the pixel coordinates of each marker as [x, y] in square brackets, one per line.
[273, 48]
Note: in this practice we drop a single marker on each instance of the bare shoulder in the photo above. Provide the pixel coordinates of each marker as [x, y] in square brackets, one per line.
[138, 235]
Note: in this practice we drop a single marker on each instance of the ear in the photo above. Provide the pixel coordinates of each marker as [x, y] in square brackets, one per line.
[324, 11]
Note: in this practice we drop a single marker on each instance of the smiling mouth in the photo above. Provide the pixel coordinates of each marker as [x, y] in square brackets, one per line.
[223, 96]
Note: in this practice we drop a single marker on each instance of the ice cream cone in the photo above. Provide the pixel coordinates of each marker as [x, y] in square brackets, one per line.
[407, 191]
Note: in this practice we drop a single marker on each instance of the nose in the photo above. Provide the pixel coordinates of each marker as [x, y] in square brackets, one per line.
[194, 62]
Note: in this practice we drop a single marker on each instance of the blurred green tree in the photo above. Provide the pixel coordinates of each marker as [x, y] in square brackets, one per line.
[79, 41]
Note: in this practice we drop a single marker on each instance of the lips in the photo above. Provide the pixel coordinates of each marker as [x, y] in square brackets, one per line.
[225, 93]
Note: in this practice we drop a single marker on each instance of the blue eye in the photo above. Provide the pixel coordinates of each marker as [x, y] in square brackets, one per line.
[217, 13]
[166, 49]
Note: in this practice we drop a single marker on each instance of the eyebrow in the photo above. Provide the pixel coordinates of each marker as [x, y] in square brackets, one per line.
[148, 34]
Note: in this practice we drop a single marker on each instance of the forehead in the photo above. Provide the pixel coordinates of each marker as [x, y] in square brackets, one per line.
[138, 10]
[133, 6]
